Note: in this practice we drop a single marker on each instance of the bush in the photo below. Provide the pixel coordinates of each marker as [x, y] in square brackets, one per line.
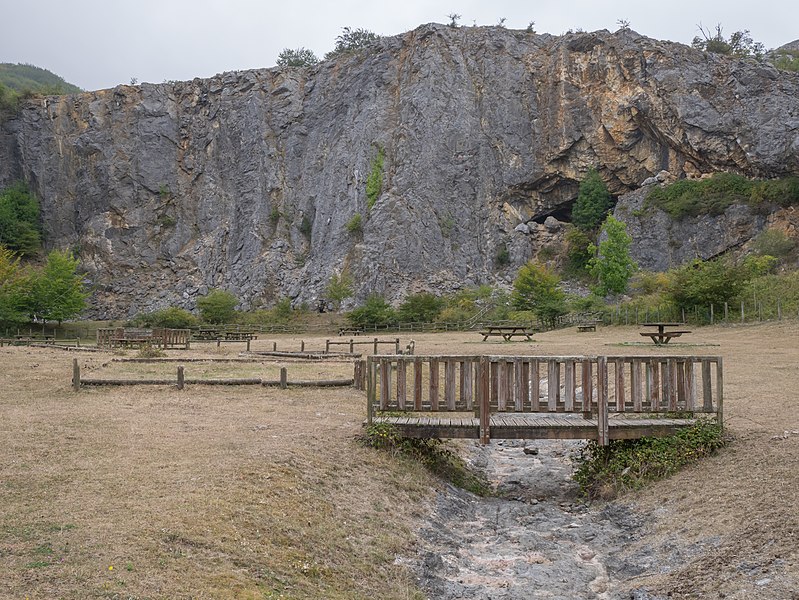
[605, 471]
[57, 291]
[536, 289]
[339, 288]
[773, 242]
[351, 40]
[169, 318]
[420, 308]
[376, 312]
[354, 225]
[593, 202]
[577, 253]
[219, 306]
[704, 283]
[301, 57]
[714, 195]
[14, 289]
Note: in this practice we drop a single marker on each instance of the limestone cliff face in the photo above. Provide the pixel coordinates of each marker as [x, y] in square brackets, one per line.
[247, 181]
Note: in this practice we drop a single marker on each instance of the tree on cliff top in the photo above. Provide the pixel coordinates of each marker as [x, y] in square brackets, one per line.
[351, 40]
[300, 57]
[739, 43]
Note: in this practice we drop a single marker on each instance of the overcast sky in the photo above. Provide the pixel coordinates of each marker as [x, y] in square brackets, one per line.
[98, 44]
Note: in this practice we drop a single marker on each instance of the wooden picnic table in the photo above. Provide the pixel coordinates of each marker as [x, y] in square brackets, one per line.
[661, 336]
[507, 331]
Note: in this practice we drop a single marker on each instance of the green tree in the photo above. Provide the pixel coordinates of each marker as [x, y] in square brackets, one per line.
[57, 291]
[339, 288]
[739, 43]
[612, 264]
[423, 307]
[376, 312]
[14, 289]
[19, 219]
[218, 306]
[578, 254]
[593, 202]
[702, 283]
[536, 289]
[351, 40]
[169, 318]
[299, 57]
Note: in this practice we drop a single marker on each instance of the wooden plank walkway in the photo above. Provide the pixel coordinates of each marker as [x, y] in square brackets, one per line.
[550, 397]
[530, 426]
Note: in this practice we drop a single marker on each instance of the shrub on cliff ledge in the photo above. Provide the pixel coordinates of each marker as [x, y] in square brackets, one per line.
[593, 202]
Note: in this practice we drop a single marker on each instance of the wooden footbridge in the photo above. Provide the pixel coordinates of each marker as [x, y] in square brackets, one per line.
[532, 397]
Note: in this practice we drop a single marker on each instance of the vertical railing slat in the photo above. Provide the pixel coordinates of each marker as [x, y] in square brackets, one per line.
[707, 388]
[620, 396]
[690, 376]
[603, 437]
[385, 383]
[587, 384]
[434, 373]
[519, 391]
[468, 378]
[719, 392]
[535, 386]
[569, 386]
[417, 384]
[449, 384]
[553, 384]
[635, 384]
[401, 383]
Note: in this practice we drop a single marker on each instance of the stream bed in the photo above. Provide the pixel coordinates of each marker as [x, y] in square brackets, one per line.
[536, 539]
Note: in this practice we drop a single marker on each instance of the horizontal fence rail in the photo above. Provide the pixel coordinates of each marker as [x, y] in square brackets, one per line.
[598, 387]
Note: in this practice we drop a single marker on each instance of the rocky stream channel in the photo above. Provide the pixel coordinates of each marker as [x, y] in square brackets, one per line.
[536, 539]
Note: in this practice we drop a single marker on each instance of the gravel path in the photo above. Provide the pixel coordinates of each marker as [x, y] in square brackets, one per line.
[537, 540]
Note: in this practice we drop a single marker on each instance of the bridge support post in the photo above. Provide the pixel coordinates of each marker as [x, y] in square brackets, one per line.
[484, 399]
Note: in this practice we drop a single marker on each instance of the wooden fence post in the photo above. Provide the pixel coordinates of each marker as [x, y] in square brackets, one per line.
[248, 344]
[484, 400]
[75, 375]
[327, 346]
[602, 400]
[375, 352]
[302, 345]
[371, 391]
[180, 377]
[719, 393]
[283, 378]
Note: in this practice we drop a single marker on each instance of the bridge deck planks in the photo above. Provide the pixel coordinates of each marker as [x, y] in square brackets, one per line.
[527, 426]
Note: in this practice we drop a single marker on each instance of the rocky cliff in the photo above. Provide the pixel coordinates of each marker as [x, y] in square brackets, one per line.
[248, 180]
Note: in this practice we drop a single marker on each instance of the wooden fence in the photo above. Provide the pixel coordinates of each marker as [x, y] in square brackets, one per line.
[596, 386]
[126, 337]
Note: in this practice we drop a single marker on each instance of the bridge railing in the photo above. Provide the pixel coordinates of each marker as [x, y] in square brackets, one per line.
[596, 386]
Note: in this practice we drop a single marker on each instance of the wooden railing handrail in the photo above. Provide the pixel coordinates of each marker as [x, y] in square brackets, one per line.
[593, 385]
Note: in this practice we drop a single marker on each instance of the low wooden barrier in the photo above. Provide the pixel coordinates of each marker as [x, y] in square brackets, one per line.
[375, 343]
[127, 337]
[180, 380]
[579, 397]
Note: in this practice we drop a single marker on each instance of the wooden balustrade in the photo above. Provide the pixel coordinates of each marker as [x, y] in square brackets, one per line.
[599, 387]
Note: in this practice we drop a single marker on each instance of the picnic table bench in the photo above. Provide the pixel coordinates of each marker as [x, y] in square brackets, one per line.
[582, 327]
[661, 336]
[507, 332]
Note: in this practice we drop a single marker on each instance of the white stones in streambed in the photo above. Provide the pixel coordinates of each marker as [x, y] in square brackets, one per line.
[537, 540]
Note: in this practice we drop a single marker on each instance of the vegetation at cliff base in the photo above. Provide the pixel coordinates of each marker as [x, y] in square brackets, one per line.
[536, 290]
[20, 229]
[612, 265]
[218, 306]
[53, 292]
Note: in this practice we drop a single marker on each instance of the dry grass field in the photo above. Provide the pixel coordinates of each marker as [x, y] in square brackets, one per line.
[251, 492]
